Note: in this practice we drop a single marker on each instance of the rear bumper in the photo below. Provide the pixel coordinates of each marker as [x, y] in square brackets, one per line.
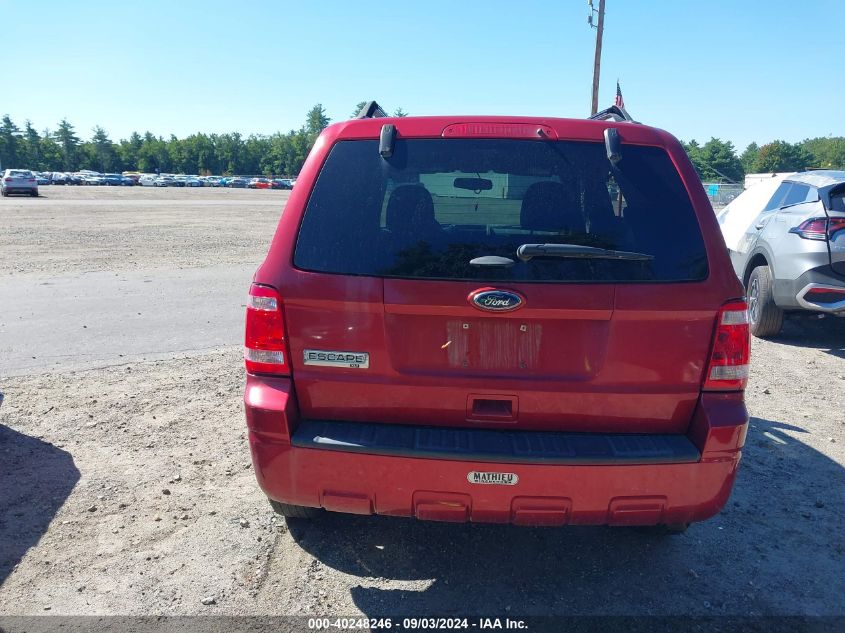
[791, 293]
[20, 189]
[545, 494]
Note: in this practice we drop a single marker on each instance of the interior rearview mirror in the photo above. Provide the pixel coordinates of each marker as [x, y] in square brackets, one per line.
[473, 184]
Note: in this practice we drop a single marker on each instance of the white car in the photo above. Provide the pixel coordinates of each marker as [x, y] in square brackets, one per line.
[147, 180]
[18, 181]
[786, 238]
[737, 216]
[92, 178]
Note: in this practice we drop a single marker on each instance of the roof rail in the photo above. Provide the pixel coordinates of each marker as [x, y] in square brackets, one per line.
[613, 113]
[371, 110]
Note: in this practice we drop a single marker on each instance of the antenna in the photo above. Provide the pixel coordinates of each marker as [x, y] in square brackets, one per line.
[371, 110]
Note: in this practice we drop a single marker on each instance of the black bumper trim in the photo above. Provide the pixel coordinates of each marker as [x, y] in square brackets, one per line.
[528, 447]
[786, 290]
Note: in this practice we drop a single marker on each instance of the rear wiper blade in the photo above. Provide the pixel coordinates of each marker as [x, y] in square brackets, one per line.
[575, 251]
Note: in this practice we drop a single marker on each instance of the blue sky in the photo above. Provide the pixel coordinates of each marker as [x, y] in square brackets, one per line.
[740, 70]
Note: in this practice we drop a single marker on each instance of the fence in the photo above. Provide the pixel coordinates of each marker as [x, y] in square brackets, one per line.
[721, 193]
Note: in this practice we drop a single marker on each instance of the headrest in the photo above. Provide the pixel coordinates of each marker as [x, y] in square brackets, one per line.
[410, 209]
[551, 206]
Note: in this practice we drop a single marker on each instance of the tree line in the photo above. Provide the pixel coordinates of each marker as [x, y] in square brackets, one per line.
[278, 154]
[283, 153]
[718, 160]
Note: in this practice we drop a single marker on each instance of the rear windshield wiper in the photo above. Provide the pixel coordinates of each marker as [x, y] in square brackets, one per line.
[575, 251]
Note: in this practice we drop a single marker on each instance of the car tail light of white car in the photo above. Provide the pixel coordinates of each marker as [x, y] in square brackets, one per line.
[819, 228]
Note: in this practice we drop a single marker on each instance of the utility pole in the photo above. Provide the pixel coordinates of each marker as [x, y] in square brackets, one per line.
[597, 62]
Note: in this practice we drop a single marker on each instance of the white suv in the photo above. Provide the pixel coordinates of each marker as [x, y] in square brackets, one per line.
[787, 245]
[18, 181]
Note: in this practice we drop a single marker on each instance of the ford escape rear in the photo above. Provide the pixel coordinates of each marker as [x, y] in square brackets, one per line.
[497, 319]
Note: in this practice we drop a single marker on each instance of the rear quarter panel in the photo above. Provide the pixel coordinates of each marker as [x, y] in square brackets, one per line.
[792, 255]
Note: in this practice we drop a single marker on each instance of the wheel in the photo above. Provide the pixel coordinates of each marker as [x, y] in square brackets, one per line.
[295, 512]
[764, 317]
[34, 194]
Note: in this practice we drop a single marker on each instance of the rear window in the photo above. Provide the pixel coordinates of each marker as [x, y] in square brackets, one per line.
[18, 173]
[778, 196]
[837, 200]
[436, 204]
[798, 194]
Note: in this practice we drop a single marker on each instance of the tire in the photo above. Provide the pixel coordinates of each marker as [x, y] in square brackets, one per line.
[295, 512]
[765, 319]
[34, 194]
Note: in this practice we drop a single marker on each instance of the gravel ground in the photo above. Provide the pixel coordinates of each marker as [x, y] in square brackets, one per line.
[127, 489]
[82, 229]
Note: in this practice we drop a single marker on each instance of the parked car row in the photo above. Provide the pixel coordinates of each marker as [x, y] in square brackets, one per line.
[26, 181]
[82, 178]
[235, 182]
[129, 179]
[258, 183]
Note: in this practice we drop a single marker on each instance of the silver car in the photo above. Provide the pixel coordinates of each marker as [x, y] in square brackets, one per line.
[791, 257]
[18, 181]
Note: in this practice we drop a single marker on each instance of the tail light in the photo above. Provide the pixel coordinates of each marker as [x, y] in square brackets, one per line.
[729, 356]
[818, 228]
[265, 349]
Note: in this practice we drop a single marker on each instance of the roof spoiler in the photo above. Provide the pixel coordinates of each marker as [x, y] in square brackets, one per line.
[613, 113]
[371, 110]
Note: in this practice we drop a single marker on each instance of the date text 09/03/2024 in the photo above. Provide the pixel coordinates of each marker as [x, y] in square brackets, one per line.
[414, 624]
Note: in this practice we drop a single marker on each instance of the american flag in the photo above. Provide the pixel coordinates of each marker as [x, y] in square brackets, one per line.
[619, 102]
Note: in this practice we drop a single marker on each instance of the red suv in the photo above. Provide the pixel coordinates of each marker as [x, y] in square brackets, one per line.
[497, 319]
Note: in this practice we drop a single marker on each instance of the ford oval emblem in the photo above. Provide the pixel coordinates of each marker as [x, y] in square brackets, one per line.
[493, 300]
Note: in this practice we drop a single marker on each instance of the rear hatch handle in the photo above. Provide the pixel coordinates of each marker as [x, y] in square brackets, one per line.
[492, 261]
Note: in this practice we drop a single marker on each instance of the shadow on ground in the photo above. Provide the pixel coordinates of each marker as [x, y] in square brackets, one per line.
[35, 480]
[827, 334]
[777, 548]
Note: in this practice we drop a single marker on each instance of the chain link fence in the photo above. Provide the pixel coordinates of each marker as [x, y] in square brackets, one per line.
[721, 193]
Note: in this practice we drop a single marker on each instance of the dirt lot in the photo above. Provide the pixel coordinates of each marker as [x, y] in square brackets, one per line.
[135, 228]
[127, 489]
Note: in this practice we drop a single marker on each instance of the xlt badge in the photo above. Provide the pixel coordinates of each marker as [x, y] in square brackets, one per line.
[329, 358]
